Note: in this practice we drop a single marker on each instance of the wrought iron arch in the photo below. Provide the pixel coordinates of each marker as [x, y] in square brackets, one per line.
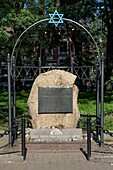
[64, 19]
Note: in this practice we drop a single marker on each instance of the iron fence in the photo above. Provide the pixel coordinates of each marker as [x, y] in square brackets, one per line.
[94, 127]
[16, 131]
[31, 72]
[27, 72]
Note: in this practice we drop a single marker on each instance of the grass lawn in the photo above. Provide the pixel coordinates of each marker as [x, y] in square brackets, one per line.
[86, 103]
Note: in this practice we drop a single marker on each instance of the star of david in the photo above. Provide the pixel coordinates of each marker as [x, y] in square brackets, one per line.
[52, 18]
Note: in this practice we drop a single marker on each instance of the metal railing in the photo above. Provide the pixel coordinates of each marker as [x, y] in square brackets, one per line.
[27, 72]
[97, 125]
[23, 137]
[15, 133]
[31, 72]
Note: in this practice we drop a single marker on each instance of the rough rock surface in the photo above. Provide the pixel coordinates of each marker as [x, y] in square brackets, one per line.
[53, 78]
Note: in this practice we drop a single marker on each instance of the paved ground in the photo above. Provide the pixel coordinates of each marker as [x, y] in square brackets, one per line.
[38, 159]
[55, 161]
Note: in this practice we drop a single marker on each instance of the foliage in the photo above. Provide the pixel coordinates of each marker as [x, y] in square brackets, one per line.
[15, 18]
[105, 9]
[110, 80]
[96, 16]
[19, 18]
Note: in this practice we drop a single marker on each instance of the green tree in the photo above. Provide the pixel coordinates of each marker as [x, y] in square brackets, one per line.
[106, 9]
[15, 18]
[83, 12]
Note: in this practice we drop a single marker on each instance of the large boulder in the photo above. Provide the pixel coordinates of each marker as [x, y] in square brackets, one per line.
[53, 78]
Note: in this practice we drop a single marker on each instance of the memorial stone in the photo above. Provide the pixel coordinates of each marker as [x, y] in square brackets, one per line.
[52, 117]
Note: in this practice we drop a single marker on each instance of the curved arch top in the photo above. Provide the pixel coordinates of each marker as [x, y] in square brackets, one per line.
[64, 19]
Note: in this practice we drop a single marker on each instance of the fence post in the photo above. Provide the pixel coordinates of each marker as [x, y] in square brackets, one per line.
[102, 98]
[40, 64]
[88, 136]
[71, 64]
[23, 137]
[9, 100]
[97, 98]
[15, 129]
[14, 87]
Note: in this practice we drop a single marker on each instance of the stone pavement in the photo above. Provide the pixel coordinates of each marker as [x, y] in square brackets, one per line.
[54, 159]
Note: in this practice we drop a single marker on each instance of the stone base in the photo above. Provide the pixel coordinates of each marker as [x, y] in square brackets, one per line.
[55, 135]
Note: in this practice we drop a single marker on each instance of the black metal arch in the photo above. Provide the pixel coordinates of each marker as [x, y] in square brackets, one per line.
[64, 19]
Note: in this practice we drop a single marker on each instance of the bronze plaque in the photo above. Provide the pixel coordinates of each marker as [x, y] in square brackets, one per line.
[55, 100]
